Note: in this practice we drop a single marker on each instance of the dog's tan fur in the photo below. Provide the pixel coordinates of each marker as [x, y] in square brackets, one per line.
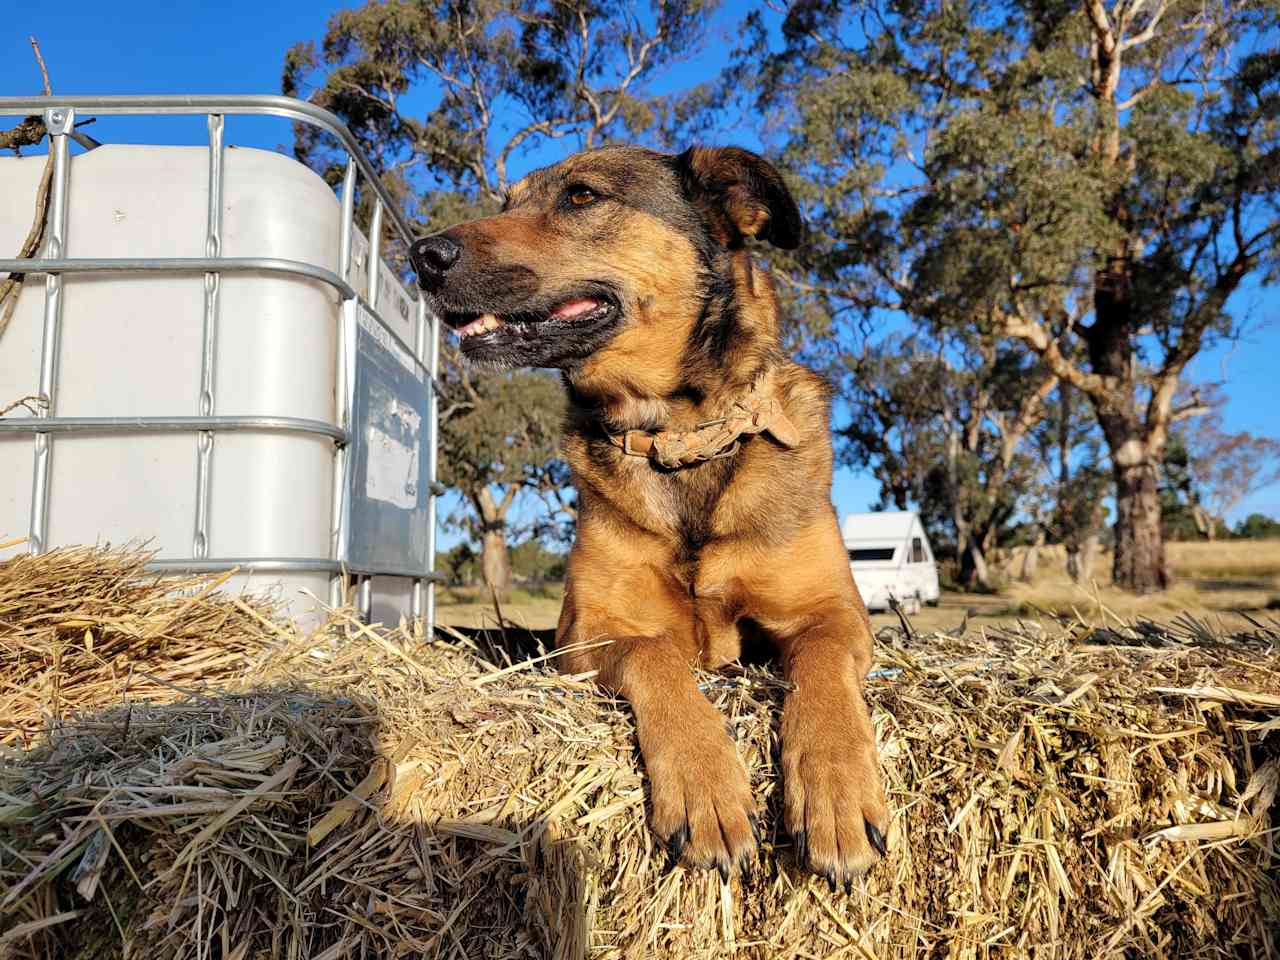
[674, 567]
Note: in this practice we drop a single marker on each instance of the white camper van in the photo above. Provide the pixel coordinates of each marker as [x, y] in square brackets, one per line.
[890, 556]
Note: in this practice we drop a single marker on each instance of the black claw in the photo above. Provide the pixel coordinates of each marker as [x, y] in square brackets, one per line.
[802, 847]
[831, 880]
[848, 886]
[675, 847]
[744, 869]
[723, 867]
[755, 829]
[877, 839]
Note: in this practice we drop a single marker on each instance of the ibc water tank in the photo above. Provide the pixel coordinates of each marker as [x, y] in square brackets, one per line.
[132, 345]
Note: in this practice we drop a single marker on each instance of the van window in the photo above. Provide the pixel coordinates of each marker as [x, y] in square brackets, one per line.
[871, 554]
[917, 550]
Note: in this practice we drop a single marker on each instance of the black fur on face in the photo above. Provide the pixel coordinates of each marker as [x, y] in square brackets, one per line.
[588, 246]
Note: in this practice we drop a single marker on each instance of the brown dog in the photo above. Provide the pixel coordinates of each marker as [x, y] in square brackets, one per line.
[702, 459]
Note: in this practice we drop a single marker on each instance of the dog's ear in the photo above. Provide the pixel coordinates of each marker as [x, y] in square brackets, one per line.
[741, 194]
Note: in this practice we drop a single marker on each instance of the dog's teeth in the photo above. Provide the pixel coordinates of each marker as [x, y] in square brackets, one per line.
[481, 324]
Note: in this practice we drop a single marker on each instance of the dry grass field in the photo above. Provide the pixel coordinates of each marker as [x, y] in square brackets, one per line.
[1209, 579]
[1215, 580]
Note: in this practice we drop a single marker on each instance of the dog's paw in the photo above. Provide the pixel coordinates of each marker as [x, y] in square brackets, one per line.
[702, 804]
[835, 808]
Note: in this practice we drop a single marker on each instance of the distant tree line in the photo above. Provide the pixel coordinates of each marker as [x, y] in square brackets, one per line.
[1027, 219]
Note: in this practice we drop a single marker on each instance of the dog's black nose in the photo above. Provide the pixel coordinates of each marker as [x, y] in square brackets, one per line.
[433, 256]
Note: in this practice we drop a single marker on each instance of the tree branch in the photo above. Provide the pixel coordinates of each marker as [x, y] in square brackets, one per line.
[1149, 31]
[1035, 335]
[1028, 412]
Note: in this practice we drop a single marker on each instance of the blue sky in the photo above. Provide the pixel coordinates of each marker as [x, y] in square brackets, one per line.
[238, 47]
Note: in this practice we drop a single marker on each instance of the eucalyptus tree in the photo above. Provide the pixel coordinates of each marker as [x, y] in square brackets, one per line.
[946, 427]
[1091, 181]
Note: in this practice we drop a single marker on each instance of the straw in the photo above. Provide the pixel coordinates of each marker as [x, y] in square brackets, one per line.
[1065, 792]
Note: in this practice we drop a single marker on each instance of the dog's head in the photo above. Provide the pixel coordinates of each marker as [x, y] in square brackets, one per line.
[615, 249]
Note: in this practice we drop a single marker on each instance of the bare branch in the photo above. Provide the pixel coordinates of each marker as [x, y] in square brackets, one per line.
[44, 72]
[34, 405]
[1139, 95]
[548, 128]
[1149, 31]
[1028, 415]
[1188, 412]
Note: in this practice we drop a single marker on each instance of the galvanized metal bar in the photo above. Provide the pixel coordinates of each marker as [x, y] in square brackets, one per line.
[417, 597]
[59, 121]
[60, 265]
[52, 266]
[341, 456]
[433, 449]
[348, 221]
[344, 413]
[127, 425]
[296, 268]
[209, 337]
[365, 603]
[269, 565]
[375, 256]
[237, 104]
[247, 564]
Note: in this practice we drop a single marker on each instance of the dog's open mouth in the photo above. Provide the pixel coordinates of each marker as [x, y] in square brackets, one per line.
[578, 309]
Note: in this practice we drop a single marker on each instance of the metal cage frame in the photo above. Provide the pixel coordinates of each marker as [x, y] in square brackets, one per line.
[59, 114]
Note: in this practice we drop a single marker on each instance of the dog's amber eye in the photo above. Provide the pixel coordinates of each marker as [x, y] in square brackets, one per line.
[581, 196]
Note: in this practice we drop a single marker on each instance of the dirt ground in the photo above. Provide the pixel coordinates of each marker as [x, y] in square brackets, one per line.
[459, 609]
[1215, 581]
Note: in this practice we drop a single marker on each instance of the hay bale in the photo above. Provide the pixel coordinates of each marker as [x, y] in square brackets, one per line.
[81, 627]
[1083, 793]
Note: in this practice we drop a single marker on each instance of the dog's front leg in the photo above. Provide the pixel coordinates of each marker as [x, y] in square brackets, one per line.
[835, 807]
[702, 803]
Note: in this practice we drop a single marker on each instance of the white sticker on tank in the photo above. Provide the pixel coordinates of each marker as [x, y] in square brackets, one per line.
[392, 471]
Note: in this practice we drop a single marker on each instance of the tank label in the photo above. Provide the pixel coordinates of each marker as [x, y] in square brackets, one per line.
[388, 497]
[383, 337]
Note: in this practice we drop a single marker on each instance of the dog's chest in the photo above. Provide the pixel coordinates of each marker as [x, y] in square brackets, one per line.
[733, 499]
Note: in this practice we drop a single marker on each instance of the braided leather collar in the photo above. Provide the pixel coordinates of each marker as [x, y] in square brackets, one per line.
[712, 439]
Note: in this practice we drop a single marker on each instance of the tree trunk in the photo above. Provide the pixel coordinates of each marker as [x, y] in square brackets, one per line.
[972, 561]
[1088, 554]
[973, 564]
[1206, 523]
[495, 562]
[1031, 559]
[1139, 558]
[1080, 557]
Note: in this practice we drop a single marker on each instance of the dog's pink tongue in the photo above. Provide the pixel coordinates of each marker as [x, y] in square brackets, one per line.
[574, 308]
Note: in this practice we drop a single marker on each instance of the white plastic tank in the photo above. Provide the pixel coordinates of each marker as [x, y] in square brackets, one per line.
[131, 346]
